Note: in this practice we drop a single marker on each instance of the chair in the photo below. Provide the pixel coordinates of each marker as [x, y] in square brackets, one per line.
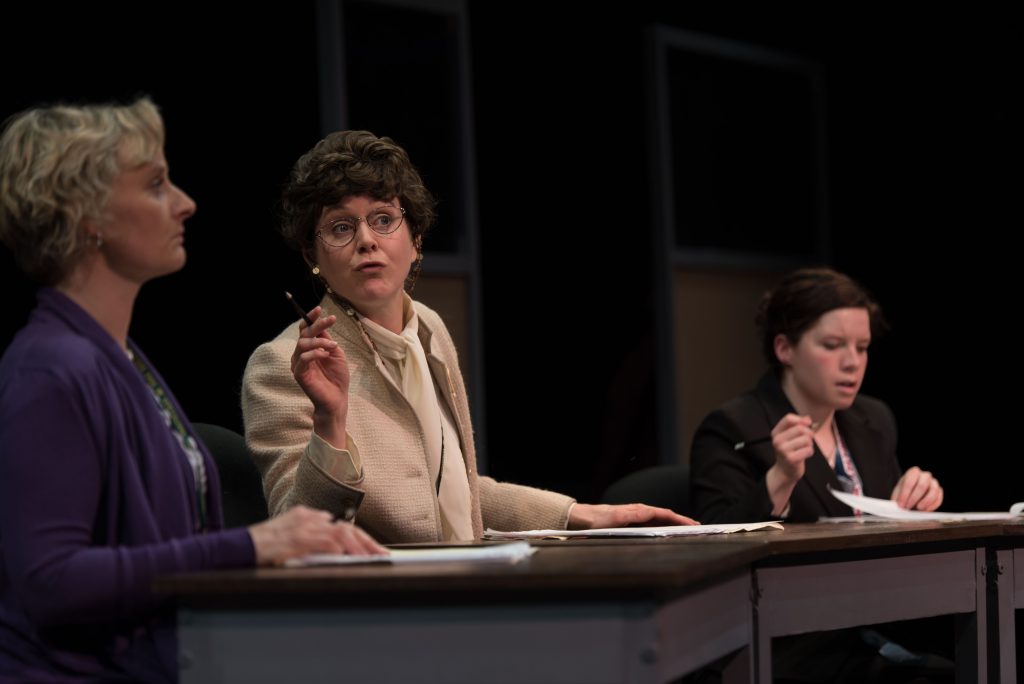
[240, 482]
[665, 486]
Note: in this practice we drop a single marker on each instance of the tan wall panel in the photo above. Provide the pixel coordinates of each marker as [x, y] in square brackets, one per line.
[449, 297]
[717, 351]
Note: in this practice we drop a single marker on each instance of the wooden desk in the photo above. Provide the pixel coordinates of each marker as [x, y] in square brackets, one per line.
[593, 610]
[572, 613]
[881, 572]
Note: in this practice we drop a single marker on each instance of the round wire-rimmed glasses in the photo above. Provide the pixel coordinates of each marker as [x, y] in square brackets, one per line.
[340, 231]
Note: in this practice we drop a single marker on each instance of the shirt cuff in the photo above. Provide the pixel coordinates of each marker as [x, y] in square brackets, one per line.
[343, 465]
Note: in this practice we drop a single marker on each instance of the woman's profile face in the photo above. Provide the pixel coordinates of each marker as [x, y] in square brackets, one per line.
[143, 224]
[826, 366]
[371, 264]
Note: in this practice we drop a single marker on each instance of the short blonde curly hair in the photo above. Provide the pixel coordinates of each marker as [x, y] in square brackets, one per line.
[57, 166]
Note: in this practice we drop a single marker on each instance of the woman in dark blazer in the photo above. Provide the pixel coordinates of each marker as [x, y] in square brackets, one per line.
[773, 453]
[816, 327]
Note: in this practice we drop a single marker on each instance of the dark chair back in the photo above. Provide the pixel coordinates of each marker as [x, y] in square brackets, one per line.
[240, 482]
[665, 486]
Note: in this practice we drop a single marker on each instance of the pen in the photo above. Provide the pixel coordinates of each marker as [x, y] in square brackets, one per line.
[750, 442]
[298, 309]
[759, 440]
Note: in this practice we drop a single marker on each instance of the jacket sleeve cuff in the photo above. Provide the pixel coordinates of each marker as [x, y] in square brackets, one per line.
[343, 465]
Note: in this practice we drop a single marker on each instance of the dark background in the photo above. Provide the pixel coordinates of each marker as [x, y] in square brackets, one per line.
[923, 148]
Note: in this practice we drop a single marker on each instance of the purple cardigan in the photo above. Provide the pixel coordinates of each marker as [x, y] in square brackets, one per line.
[96, 501]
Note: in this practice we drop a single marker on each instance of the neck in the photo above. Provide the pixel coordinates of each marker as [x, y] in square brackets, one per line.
[390, 316]
[388, 322]
[821, 416]
[103, 295]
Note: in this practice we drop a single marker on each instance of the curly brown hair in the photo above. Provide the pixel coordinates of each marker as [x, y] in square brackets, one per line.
[350, 163]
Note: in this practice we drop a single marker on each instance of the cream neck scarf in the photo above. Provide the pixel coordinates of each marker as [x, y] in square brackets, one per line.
[406, 361]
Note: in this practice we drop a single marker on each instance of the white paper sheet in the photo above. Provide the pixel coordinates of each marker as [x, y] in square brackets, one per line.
[490, 553]
[885, 508]
[668, 531]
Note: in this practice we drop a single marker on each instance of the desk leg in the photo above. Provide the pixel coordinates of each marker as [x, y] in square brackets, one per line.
[760, 638]
[1004, 592]
[761, 659]
[973, 629]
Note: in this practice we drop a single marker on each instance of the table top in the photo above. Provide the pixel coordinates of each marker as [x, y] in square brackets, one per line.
[581, 569]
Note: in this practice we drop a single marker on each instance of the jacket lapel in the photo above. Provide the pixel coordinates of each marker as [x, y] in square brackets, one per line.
[818, 475]
[442, 378]
[860, 437]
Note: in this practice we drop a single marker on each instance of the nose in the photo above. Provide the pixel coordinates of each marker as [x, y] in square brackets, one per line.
[184, 205]
[852, 358]
[365, 239]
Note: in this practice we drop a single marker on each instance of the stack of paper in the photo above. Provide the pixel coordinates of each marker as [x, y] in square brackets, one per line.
[669, 531]
[506, 553]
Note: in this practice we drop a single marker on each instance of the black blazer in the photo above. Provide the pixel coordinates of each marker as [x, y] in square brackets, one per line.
[729, 486]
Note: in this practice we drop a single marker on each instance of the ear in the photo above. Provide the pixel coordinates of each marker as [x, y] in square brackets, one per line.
[309, 256]
[783, 349]
[91, 226]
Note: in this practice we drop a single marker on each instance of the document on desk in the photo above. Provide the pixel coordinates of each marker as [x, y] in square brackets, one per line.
[668, 531]
[489, 553]
[890, 510]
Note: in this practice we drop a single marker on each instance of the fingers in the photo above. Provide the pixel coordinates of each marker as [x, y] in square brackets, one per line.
[319, 532]
[791, 420]
[932, 499]
[643, 513]
[320, 324]
[301, 531]
[317, 358]
[918, 489]
[309, 349]
[355, 541]
[793, 442]
[313, 347]
[901, 492]
[589, 516]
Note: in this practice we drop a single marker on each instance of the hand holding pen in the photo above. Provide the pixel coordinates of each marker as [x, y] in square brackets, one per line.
[321, 369]
[793, 442]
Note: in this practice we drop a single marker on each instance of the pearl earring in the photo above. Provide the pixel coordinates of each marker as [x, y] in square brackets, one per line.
[316, 272]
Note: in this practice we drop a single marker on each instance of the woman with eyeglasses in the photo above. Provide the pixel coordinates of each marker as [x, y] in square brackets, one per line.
[103, 484]
[816, 326]
[362, 410]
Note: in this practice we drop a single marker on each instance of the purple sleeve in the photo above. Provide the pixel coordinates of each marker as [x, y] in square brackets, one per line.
[55, 482]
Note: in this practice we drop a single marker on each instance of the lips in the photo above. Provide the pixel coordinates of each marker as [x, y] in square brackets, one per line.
[369, 266]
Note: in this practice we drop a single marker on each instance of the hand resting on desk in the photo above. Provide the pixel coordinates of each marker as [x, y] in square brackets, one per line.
[598, 516]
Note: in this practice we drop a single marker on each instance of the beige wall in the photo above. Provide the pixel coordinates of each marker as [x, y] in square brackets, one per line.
[717, 350]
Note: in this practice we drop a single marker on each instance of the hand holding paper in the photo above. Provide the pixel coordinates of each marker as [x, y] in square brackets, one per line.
[884, 508]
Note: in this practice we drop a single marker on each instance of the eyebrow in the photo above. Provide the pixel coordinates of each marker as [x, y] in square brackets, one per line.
[150, 166]
[335, 214]
[831, 336]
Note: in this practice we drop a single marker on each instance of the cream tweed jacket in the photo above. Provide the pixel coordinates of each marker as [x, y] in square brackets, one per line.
[393, 496]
